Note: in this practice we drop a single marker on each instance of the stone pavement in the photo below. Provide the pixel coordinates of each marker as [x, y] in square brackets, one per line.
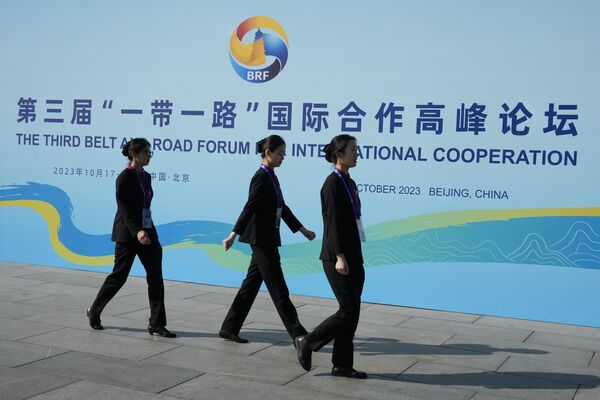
[48, 351]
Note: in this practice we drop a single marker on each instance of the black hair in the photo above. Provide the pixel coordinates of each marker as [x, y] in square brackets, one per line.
[337, 145]
[134, 146]
[271, 142]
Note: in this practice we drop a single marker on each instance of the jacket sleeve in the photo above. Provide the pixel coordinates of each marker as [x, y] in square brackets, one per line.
[255, 195]
[124, 206]
[333, 218]
[290, 219]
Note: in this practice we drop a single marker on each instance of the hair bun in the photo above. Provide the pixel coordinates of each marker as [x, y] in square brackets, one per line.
[260, 144]
[125, 150]
[327, 151]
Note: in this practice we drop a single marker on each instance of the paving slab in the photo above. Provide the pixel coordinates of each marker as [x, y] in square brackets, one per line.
[114, 371]
[19, 310]
[377, 388]
[48, 350]
[518, 349]
[425, 313]
[210, 386]
[15, 353]
[15, 295]
[487, 381]
[91, 390]
[98, 342]
[568, 341]
[540, 326]
[371, 317]
[16, 384]
[555, 371]
[15, 329]
[465, 328]
[234, 365]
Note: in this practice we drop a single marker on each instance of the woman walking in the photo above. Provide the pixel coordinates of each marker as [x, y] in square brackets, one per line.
[135, 235]
[258, 225]
[342, 259]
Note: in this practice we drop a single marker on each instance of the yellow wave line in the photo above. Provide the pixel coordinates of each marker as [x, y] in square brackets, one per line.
[376, 232]
[456, 218]
[52, 217]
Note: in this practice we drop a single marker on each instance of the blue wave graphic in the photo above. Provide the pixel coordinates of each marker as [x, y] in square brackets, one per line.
[197, 232]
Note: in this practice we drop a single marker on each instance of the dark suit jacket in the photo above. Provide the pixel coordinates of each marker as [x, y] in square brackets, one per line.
[130, 202]
[256, 223]
[340, 233]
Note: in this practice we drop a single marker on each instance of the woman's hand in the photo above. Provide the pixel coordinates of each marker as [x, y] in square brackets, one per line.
[143, 238]
[341, 265]
[228, 241]
[310, 235]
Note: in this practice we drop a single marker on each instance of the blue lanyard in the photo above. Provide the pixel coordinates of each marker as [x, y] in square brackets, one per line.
[142, 185]
[279, 195]
[354, 206]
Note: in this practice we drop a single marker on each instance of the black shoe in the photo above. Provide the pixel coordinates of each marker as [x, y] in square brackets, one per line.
[348, 373]
[162, 331]
[304, 352]
[94, 322]
[231, 336]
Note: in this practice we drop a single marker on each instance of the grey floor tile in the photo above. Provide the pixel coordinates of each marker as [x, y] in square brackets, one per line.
[209, 339]
[486, 381]
[14, 329]
[209, 386]
[371, 317]
[387, 351]
[113, 371]
[16, 384]
[555, 371]
[402, 334]
[587, 393]
[15, 295]
[425, 313]
[68, 277]
[71, 290]
[376, 388]
[388, 365]
[429, 355]
[15, 353]
[522, 350]
[15, 269]
[540, 326]
[465, 328]
[78, 319]
[99, 342]
[7, 282]
[79, 304]
[91, 390]
[183, 292]
[235, 365]
[300, 299]
[19, 310]
[225, 299]
[568, 341]
[493, 396]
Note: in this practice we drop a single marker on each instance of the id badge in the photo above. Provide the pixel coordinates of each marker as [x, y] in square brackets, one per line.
[361, 230]
[278, 218]
[146, 218]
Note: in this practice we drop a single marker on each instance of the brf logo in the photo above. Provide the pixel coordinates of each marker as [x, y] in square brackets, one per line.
[258, 49]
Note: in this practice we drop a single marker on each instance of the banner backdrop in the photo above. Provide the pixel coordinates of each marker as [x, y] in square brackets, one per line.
[477, 125]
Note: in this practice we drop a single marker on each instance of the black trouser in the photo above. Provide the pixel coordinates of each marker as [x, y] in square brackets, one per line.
[265, 264]
[151, 258]
[341, 326]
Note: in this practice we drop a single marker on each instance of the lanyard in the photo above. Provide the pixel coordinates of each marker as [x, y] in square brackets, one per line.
[277, 190]
[142, 181]
[355, 207]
